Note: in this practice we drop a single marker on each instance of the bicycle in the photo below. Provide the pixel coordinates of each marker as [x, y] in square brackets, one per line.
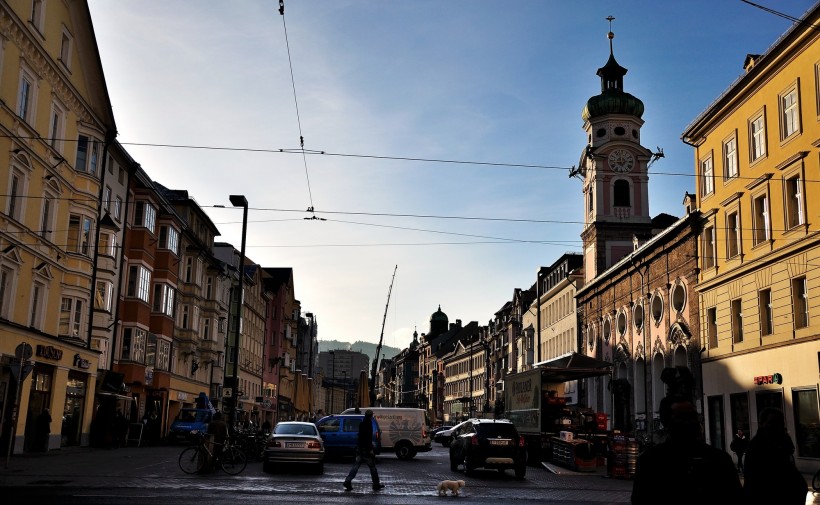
[198, 458]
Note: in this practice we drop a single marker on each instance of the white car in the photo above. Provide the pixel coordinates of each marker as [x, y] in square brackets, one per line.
[295, 442]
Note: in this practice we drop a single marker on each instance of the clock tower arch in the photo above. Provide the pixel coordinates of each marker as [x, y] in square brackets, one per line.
[613, 168]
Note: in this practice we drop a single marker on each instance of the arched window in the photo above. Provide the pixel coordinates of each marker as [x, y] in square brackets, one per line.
[621, 197]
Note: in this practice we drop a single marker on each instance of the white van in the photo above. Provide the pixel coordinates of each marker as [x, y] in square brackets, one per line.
[404, 431]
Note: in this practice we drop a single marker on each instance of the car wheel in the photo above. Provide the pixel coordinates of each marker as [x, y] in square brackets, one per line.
[267, 467]
[404, 451]
[520, 471]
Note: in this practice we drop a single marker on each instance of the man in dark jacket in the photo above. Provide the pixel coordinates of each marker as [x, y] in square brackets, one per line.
[700, 469]
[365, 453]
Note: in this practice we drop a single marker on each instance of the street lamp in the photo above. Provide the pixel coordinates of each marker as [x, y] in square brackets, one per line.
[344, 395]
[238, 201]
[332, 402]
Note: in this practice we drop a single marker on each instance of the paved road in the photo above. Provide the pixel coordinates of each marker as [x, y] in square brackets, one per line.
[156, 468]
[140, 474]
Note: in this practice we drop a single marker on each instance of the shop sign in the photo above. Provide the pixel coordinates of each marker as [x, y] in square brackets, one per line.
[774, 378]
[49, 352]
[149, 376]
[79, 362]
[182, 396]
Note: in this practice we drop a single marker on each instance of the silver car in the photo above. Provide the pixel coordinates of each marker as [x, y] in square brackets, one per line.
[295, 442]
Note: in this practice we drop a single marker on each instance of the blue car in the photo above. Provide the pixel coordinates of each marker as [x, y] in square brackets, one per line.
[189, 425]
[340, 434]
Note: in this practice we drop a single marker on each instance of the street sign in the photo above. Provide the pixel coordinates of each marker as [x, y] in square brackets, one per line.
[227, 392]
[20, 369]
[266, 403]
[23, 351]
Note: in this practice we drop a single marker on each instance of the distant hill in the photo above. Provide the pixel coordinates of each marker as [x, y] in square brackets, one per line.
[367, 348]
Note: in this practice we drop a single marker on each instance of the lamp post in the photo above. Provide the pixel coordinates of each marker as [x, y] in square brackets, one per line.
[333, 383]
[344, 395]
[238, 201]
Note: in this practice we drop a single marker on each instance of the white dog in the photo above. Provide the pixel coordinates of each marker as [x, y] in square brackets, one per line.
[449, 485]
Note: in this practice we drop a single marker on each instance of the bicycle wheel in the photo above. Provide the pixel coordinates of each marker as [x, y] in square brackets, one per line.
[233, 461]
[193, 459]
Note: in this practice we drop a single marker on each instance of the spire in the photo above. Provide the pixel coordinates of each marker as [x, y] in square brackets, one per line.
[612, 74]
[610, 35]
[613, 99]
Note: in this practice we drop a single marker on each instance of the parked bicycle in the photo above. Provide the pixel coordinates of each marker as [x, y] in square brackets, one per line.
[201, 457]
[252, 443]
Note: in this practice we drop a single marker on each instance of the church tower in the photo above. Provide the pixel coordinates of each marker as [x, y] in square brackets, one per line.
[613, 167]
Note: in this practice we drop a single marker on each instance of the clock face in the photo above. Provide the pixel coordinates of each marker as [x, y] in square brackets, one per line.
[621, 160]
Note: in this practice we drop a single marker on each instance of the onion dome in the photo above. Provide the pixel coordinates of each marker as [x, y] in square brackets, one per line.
[439, 316]
[613, 99]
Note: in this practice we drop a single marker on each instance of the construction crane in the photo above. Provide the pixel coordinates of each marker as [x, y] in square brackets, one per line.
[375, 366]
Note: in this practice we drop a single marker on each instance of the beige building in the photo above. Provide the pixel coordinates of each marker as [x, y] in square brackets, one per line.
[757, 166]
[56, 128]
[556, 320]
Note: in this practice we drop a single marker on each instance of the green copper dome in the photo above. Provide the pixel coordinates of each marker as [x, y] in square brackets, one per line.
[613, 99]
[612, 102]
[439, 316]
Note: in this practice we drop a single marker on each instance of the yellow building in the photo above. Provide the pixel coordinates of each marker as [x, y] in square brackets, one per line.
[757, 177]
[56, 127]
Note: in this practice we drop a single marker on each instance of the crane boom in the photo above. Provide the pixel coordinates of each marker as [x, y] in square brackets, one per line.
[375, 366]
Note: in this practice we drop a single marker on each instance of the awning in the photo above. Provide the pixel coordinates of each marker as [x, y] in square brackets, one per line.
[574, 367]
[115, 395]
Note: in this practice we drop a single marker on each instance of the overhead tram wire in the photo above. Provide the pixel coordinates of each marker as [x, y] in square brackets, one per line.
[306, 152]
[298, 117]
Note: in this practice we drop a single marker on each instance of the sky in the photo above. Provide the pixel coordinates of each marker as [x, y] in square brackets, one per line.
[438, 134]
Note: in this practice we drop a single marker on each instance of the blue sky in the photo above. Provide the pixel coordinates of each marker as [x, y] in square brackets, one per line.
[497, 87]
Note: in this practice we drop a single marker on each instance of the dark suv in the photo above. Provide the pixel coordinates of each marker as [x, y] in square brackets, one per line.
[488, 443]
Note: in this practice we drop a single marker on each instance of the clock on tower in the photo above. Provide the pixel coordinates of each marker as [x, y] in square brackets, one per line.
[621, 160]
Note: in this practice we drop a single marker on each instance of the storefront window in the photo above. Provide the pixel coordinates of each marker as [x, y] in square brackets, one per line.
[806, 422]
[739, 405]
[73, 410]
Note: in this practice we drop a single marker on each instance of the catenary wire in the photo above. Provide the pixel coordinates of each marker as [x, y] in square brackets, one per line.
[296, 101]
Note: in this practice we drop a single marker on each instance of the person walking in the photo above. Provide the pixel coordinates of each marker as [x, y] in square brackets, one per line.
[42, 430]
[738, 446]
[365, 454]
[700, 469]
[770, 475]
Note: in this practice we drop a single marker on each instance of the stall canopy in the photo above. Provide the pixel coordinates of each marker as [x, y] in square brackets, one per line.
[573, 367]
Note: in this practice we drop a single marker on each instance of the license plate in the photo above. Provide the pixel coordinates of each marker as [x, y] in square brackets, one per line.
[294, 445]
[498, 442]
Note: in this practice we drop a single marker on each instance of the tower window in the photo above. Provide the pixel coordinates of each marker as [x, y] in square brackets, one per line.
[621, 197]
[619, 130]
[601, 132]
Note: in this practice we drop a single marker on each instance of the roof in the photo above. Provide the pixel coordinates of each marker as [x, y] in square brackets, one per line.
[573, 367]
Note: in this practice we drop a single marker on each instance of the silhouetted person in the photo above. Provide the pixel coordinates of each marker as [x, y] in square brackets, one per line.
[738, 446]
[770, 475]
[219, 429]
[365, 453]
[684, 469]
[42, 430]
